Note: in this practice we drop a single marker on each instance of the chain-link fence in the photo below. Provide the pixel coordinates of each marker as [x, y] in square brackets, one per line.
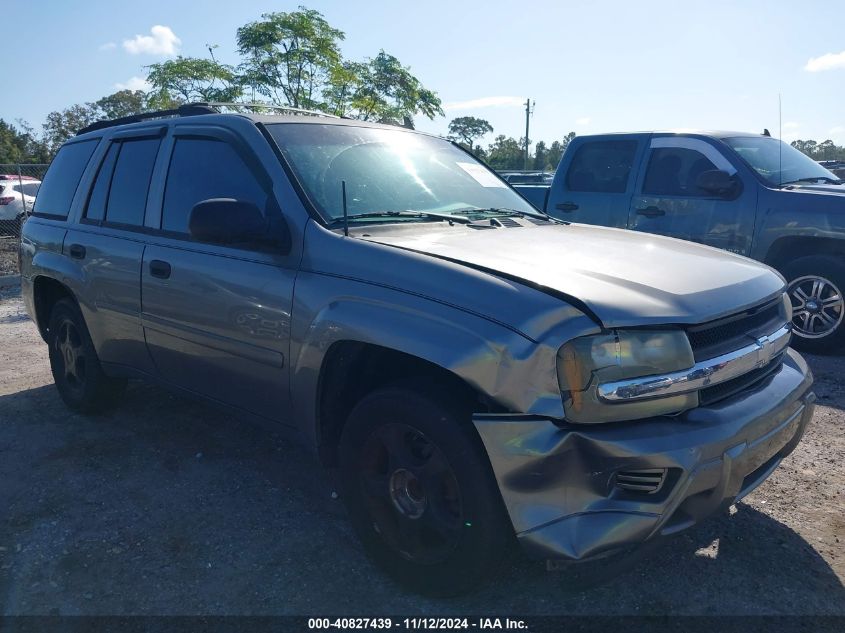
[18, 188]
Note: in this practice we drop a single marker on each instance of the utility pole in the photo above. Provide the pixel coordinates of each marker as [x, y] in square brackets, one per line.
[529, 110]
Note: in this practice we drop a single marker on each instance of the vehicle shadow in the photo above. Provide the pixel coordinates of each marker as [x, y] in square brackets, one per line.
[167, 506]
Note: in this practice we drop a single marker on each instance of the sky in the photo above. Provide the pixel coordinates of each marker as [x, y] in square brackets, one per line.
[589, 67]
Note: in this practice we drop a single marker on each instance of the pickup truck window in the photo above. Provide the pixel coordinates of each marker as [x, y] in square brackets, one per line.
[777, 162]
[388, 170]
[130, 182]
[62, 178]
[201, 169]
[672, 171]
[602, 166]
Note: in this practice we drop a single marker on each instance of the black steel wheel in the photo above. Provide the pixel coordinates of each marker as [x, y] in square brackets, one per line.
[420, 491]
[77, 372]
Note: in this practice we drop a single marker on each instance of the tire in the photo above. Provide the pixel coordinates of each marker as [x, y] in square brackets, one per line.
[816, 287]
[77, 372]
[420, 491]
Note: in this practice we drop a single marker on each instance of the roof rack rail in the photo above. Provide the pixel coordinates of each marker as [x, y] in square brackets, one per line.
[194, 109]
[188, 109]
[269, 106]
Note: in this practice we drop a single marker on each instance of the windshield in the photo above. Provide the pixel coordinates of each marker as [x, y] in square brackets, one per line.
[388, 171]
[777, 162]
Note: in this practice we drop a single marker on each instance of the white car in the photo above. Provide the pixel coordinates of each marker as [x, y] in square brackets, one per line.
[17, 194]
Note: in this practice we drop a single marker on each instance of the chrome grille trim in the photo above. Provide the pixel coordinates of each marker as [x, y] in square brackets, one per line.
[703, 374]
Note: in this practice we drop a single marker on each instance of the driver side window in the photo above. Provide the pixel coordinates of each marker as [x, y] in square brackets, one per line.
[673, 171]
[201, 169]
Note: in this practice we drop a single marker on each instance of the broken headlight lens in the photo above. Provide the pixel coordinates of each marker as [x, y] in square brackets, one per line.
[586, 362]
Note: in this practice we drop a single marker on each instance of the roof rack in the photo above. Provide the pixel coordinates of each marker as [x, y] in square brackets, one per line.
[194, 109]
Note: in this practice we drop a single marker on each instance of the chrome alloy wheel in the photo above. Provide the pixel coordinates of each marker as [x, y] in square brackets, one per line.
[817, 306]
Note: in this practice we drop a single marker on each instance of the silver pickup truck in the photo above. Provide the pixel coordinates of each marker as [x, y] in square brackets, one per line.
[478, 373]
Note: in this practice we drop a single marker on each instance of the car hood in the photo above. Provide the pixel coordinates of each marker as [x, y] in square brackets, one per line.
[624, 278]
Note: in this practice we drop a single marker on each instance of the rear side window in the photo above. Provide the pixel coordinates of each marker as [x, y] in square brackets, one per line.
[602, 167]
[99, 194]
[201, 169]
[130, 182]
[673, 171]
[62, 179]
[28, 188]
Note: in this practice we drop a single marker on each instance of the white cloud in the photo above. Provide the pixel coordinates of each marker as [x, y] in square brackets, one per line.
[838, 129]
[584, 120]
[791, 125]
[485, 102]
[828, 61]
[133, 83]
[162, 41]
[108, 46]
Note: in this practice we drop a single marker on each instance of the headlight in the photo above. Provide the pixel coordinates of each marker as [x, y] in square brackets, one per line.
[787, 307]
[586, 362]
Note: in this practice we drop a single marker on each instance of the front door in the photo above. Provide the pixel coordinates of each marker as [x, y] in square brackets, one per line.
[668, 202]
[217, 317]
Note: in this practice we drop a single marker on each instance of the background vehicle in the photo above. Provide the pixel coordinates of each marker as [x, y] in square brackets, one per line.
[17, 195]
[527, 177]
[390, 301]
[748, 194]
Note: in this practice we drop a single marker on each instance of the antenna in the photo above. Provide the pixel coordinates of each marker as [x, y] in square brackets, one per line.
[780, 139]
[345, 214]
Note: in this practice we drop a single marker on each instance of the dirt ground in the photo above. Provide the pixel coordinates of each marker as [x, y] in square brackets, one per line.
[166, 506]
[8, 255]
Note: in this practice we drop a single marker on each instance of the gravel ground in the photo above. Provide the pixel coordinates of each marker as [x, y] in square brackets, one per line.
[166, 506]
[8, 256]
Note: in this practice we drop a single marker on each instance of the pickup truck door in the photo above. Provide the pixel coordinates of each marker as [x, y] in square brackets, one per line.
[595, 180]
[217, 317]
[668, 202]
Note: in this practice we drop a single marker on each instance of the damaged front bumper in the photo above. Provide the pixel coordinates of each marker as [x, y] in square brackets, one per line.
[578, 491]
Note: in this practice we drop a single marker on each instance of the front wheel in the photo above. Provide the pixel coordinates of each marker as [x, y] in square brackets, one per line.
[420, 492]
[816, 285]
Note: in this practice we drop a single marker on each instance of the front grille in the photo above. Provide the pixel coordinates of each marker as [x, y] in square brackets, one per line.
[732, 333]
[709, 395]
[647, 481]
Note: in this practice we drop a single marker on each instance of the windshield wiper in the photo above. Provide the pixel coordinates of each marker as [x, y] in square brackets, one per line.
[402, 214]
[504, 211]
[816, 179]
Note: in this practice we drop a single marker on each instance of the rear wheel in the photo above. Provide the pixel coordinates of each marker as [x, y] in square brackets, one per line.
[80, 379]
[420, 494]
[816, 286]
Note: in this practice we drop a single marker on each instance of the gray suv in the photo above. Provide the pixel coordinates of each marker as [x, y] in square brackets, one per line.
[477, 373]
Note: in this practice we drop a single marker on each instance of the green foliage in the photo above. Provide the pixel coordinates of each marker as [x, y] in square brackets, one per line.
[826, 150]
[289, 57]
[20, 145]
[186, 79]
[468, 128]
[509, 153]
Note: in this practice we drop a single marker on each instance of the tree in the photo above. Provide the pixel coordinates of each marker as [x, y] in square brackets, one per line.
[121, 103]
[557, 149]
[387, 92]
[61, 125]
[541, 156]
[20, 145]
[186, 79]
[505, 153]
[469, 128]
[289, 57]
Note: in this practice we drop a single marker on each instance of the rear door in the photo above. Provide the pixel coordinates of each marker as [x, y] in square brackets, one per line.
[217, 317]
[668, 202]
[108, 245]
[596, 180]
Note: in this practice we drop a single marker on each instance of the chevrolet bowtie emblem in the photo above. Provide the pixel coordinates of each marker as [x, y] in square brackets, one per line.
[765, 350]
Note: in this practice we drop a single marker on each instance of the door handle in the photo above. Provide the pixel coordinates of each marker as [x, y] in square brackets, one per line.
[566, 206]
[77, 251]
[159, 269]
[651, 212]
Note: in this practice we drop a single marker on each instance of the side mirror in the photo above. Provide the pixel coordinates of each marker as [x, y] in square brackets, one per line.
[716, 181]
[230, 221]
